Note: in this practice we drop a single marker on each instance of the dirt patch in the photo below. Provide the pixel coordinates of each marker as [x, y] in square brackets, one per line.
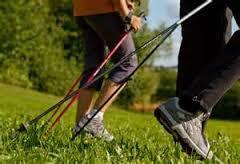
[144, 107]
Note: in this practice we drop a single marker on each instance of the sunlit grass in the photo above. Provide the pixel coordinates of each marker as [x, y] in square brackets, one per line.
[138, 137]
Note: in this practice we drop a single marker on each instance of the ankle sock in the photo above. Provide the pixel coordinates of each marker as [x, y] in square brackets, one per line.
[99, 115]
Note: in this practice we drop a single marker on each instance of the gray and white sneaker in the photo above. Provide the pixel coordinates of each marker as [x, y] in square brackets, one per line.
[95, 128]
[185, 127]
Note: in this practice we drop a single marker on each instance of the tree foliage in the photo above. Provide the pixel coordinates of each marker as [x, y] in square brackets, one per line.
[41, 48]
[41, 45]
[32, 47]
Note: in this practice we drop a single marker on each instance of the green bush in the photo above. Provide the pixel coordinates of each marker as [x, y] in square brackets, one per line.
[35, 49]
[140, 89]
[51, 74]
[166, 85]
[14, 73]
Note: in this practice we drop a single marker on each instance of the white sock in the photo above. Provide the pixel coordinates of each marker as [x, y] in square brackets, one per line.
[99, 115]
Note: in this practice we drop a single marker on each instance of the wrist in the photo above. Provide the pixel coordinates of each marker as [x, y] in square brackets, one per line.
[128, 18]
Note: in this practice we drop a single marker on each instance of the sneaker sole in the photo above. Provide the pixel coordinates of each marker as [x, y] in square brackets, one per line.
[91, 134]
[176, 137]
[163, 121]
[178, 132]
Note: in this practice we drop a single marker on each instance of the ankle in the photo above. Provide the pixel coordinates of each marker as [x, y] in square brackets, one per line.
[99, 114]
[187, 104]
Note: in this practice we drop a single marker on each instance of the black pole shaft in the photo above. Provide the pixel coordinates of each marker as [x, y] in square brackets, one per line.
[127, 79]
[37, 118]
[141, 47]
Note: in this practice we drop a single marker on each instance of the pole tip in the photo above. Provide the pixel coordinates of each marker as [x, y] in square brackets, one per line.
[23, 128]
[73, 137]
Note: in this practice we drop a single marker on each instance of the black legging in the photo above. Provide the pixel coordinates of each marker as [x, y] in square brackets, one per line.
[208, 65]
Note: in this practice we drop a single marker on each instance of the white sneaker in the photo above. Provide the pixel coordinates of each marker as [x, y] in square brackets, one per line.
[95, 128]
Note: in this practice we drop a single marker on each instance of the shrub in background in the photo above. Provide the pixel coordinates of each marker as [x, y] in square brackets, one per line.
[166, 85]
[34, 49]
[140, 89]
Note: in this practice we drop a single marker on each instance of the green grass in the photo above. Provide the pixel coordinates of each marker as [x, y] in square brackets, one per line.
[138, 137]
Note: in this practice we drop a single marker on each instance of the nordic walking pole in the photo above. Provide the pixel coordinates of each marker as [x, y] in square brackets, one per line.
[124, 82]
[68, 93]
[93, 75]
[179, 22]
[142, 14]
[24, 127]
[166, 35]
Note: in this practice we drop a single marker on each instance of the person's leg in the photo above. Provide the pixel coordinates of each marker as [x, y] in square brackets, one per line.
[183, 115]
[110, 28]
[217, 78]
[94, 55]
[112, 33]
[203, 38]
[84, 103]
[203, 42]
[212, 78]
[108, 89]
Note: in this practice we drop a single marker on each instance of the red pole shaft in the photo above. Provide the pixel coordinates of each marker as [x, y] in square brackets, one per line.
[108, 57]
[68, 93]
[63, 112]
[89, 80]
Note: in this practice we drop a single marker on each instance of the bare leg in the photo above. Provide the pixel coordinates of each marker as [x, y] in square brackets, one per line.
[96, 126]
[86, 99]
[84, 103]
[108, 89]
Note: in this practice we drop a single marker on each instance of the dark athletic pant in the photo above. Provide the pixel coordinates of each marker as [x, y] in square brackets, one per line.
[101, 31]
[208, 64]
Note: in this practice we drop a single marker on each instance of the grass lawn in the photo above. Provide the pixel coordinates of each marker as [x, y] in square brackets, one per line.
[138, 137]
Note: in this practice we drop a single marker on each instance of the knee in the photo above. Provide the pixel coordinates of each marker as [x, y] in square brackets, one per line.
[122, 73]
[95, 85]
